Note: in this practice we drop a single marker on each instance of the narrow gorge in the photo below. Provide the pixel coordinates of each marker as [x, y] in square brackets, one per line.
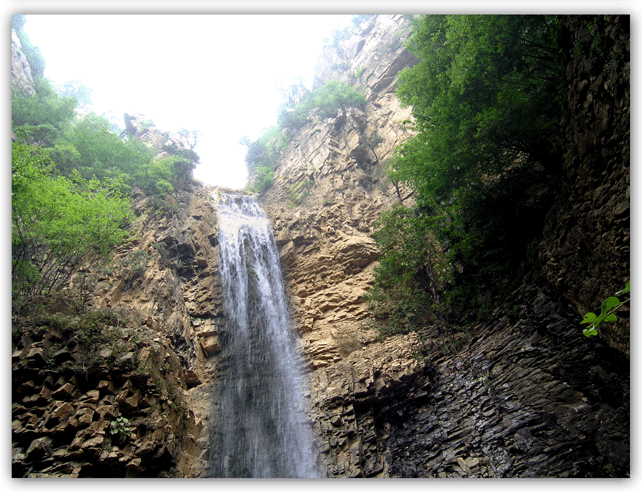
[245, 346]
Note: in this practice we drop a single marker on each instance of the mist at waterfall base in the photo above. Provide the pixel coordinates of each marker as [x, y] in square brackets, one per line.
[260, 430]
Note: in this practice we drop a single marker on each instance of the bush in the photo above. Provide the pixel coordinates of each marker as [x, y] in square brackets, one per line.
[58, 224]
[411, 273]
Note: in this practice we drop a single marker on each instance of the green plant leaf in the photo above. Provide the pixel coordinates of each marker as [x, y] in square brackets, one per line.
[589, 318]
[610, 302]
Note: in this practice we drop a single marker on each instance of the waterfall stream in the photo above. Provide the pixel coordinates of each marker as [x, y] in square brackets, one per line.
[261, 430]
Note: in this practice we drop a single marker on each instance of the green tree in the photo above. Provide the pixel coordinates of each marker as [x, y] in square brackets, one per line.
[487, 99]
[45, 108]
[58, 224]
[487, 90]
[331, 99]
[102, 154]
[411, 274]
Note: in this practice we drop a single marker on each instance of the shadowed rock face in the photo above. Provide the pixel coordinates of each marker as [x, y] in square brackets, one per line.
[527, 397]
[586, 245]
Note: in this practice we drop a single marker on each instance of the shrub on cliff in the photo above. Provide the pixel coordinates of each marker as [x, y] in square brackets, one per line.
[329, 100]
[411, 274]
[58, 224]
[487, 99]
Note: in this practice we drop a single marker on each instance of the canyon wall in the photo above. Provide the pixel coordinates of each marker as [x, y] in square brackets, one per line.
[526, 396]
[586, 248]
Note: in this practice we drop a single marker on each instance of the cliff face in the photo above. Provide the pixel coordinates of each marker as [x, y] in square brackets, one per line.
[123, 389]
[523, 396]
[528, 395]
[21, 77]
[330, 187]
[137, 405]
[586, 247]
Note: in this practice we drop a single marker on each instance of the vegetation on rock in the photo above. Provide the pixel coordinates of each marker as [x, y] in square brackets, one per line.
[71, 181]
[330, 100]
[487, 100]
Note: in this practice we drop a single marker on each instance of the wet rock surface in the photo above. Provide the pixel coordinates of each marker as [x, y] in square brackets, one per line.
[586, 247]
[528, 396]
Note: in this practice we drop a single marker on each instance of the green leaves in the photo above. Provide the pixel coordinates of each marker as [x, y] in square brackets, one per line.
[486, 88]
[58, 223]
[486, 98]
[411, 272]
[326, 100]
[607, 311]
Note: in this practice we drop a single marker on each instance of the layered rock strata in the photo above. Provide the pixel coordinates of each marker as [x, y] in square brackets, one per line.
[171, 311]
[586, 247]
[122, 415]
[528, 396]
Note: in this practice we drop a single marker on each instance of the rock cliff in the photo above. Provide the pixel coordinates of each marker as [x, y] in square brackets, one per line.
[21, 77]
[526, 396]
[586, 247]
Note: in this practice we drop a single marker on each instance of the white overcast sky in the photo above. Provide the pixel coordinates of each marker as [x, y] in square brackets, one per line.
[213, 73]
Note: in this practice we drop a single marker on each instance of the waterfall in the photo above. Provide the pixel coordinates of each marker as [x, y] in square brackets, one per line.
[261, 430]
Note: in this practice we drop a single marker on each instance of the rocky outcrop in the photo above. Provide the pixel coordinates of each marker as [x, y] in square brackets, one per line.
[369, 54]
[179, 296]
[21, 77]
[516, 401]
[586, 246]
[169, 309]
[528, 395]
[164, 142]
[117, 410]
[330, 187]
[522, 394]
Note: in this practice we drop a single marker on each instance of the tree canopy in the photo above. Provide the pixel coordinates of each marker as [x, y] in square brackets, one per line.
[58, 223]
[71, 182]
[487, 101]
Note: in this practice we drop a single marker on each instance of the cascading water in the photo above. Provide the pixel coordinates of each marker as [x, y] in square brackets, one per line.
[261, 430]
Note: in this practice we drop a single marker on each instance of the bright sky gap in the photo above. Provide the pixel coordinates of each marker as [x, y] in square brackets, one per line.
[218, 74]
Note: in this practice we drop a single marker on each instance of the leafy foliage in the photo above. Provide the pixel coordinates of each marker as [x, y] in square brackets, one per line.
[487, 99]
[71, 180]
[486, 91]
[324, 102]
[411, 273]
[58, 223]
[607, 311]
[45, 108]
